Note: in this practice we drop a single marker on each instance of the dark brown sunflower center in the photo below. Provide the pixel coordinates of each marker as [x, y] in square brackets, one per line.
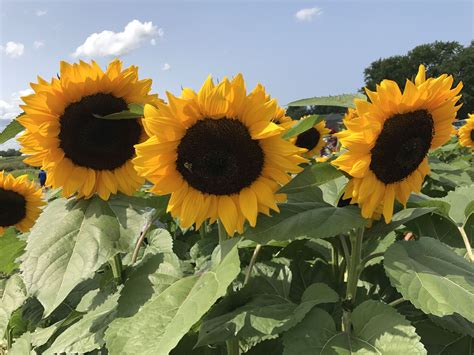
[308, 139]
[219, 157]
[94, 142]
[12, 207]
[472, 135]
[402, 145]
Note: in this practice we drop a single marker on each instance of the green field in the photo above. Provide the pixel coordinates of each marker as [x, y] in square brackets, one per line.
[17, 167]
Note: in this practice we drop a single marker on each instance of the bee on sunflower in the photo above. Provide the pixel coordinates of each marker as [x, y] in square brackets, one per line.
[466, 133]
[20, 202]
[218, 153]
[64, 134]
[312, 139]
[387, 140]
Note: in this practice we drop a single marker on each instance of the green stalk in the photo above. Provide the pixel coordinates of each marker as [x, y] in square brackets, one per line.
[252, 263]
[116, 266]
[353, 273]
[232, 344]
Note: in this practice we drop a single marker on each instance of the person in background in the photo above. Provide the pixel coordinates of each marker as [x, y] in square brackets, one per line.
[42, 177]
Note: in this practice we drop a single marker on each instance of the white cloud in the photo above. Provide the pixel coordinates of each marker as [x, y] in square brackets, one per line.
[40, 13]
[166, 67]
[9, 109]
[109, 43]
[13, 49]
[153, 42]
[306, 15]
[38, 44]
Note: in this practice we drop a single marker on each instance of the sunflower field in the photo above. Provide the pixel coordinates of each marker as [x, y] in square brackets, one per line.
[213, 223]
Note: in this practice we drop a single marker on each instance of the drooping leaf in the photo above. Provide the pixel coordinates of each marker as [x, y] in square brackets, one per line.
[160, 324]
[72, 239]
[345, 100]
[302, 126]
[432, 277]
[10, 131]
[305, 220]
[313, 175]
[11, 247]
[459, 201]
[12, 296]
[377, 329]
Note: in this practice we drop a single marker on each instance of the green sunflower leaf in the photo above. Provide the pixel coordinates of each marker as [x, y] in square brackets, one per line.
[302, 126]
[72, 239]
[160, 323]
[344, 100]
[298, 220]
[311, 176]
[380, 228]
[441, 341]
[432, 277]
[11, 247]
[134, 111]
[378, 329]
[12, 296]
[10, 131]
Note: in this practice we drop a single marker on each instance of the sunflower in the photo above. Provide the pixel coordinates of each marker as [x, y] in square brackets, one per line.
[84, 153]
[280, 117]
[388, 138]
[20, 202]
[217, 153]
[312, 139]
[466, 133]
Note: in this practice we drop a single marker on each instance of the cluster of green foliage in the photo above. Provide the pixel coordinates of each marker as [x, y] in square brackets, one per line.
[122, 277]
[439, 58]
[10, 153]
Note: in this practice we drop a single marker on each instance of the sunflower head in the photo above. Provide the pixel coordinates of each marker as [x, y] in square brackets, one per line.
[312, 139]
[20, 202]
[64, 134]
[218, 153]
[466, 133]
[388, 138]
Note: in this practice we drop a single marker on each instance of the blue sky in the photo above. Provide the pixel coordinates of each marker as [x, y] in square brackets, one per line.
[322, 51]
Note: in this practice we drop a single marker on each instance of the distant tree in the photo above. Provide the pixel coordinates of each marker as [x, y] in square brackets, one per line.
[10, 153]
[438, 57]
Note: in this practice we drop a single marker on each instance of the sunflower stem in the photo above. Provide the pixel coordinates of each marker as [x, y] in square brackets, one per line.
[397, 302]
[203, 230]
[252, 263]
[116, 265]
[466, 243]
[232, 344]
[353, 272]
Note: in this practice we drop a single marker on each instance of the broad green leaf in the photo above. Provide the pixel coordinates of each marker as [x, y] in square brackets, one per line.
[152, 276]
[381, 229]
[439, 341]
[12, 296]
[380, 246]
[432, 277]
[345, 100]
[262, 315]
[22, 346]
[377, 329]
[437, 226]
[160, 324]
[311, 176]
[460, 200]
[333, 189]
[134, 111]
[10, 131]
[302, 126]
[11, 247]
[304, 220]
[71, 240]
[455, 323]
[88, 333]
